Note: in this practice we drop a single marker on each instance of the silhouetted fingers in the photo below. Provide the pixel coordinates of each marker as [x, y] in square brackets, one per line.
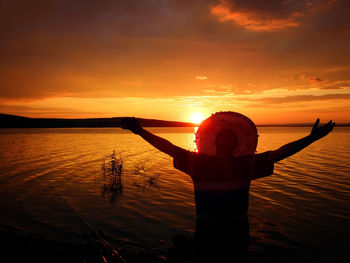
[316, 124]
[332, 125]
[329, 126]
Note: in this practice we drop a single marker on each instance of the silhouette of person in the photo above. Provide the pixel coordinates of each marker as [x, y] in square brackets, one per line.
[221, 187]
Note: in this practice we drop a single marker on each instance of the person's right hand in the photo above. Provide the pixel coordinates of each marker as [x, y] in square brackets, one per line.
[131, 124]
[319, 132]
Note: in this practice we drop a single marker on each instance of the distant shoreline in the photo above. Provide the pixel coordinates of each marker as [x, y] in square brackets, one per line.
[14, 121]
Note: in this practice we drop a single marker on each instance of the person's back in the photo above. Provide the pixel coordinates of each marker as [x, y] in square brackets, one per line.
[221, 184]
[222, 180]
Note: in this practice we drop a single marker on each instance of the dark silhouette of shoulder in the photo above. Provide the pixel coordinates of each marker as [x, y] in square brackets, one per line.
[203, 167]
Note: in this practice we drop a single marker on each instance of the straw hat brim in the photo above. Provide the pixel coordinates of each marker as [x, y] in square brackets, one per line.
[244, 129]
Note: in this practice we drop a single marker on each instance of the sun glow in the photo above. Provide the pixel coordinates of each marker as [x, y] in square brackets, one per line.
[197, 117]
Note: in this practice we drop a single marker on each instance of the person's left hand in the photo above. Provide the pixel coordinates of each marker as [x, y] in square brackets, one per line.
[131, 124]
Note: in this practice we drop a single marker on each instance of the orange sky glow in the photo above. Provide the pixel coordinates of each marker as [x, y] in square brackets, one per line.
[275, 61]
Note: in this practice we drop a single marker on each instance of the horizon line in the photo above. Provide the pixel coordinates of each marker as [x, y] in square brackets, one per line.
[296, 124]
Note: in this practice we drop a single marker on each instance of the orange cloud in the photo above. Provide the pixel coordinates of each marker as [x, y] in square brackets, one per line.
[315, 80]
[220, 90]
[272, 15]
[338, 85]
[252, 19]
[312, 79]
[301, 98]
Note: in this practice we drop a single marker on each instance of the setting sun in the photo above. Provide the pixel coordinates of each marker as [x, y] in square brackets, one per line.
[197, 117]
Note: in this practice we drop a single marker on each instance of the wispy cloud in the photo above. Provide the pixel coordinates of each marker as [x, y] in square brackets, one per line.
[301, 98]
[337, 85]
[311, 79]
[254, 21]
[273, 15]
[315, 80]
[217, 90]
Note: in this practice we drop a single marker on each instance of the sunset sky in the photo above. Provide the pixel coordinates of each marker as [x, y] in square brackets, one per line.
[274, 61]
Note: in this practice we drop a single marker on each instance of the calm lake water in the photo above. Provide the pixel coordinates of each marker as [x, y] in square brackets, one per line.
[50, 177]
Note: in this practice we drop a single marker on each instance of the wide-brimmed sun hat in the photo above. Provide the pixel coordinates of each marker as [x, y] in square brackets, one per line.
[243, 127]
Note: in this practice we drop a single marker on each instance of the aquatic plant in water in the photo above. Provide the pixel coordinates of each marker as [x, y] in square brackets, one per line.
[148, 183]
[144, 181]
[112, 170]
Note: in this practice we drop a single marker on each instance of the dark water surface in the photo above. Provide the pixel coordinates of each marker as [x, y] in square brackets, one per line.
[50, 177]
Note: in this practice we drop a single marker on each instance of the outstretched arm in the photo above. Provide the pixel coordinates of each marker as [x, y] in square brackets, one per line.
[289, 149]
[161, 144]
